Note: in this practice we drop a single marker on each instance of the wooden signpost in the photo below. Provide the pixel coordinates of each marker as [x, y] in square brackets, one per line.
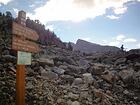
[22, 42]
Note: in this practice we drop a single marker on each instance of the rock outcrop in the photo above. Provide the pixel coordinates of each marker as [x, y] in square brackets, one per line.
[88, 47]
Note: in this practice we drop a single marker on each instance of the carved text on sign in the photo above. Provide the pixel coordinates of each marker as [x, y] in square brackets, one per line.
[24, 45]
[24, 31]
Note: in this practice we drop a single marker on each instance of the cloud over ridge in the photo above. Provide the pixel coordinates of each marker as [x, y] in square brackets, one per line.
[121, 39]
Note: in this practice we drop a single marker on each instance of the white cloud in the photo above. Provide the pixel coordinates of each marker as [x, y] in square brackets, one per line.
[33, 5]
[112, 17]
[0, 5]
[50, 27]
[75, 10]
[138, 45]
[104, 41]
[114, 43]
[86, 39]
[129, 40]
[120, 10]
[16, 11]
[5, 1]
[120, 37]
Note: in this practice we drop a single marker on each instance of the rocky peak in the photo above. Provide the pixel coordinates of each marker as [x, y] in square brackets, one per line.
[88, 47]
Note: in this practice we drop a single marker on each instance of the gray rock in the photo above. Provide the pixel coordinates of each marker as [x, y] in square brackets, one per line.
[120, 61]
[88, 78]
[84, 63]
[47, 68]
[126, 92]
[67, 79]
[63, 67]
[41, 68]
[75, 103]
[77, 81]
[100, 94]
[49, 75]
[84, 94]
[126, 75]
[73, 96]
[58, 70]
[98, 68]
[137, 66]
[136, 80]
[8, 58]
[45, 61]
[60, 101]
[69, 102]
[108, 76]
[66, 59]
[73, 70]
[29, 85]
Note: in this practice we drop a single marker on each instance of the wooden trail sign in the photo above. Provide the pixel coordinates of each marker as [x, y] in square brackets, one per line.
[22, 40]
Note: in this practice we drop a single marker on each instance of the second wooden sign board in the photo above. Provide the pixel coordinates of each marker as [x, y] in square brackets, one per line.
[20, 44]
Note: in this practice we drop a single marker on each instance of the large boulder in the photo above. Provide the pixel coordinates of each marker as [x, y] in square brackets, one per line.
[120, 61]
[66, 79]
[74, 70]
[75, 103]
[136, 80]
[126, 75]
[49, 74]
[103, 96]
[45, 61]
[108, 76]
[87, 77]
[58, 70]
[84, 63]
[77, 81]
[63, 59]
[98, 68]
[8, 58]
[73, 96]
[137, 66]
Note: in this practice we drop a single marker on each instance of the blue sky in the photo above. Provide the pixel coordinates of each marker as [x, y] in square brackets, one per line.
[106, 22]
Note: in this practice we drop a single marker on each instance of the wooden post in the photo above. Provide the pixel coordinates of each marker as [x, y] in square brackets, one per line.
[20, 85]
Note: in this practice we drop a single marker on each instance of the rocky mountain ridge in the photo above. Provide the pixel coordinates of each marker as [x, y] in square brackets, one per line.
[88, 47]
